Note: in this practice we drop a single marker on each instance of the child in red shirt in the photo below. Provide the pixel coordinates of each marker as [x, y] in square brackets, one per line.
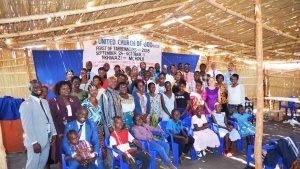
[119, 139]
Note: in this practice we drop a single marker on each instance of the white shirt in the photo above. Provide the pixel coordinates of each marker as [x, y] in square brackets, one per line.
[236, 95]
[83, 135]
[211, 72]
[169, 78]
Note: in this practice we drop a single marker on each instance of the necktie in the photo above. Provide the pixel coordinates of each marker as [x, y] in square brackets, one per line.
[186, 77]
[145, 86]
[79, 131]
[44, 110]
[88, 75]
[214, 74]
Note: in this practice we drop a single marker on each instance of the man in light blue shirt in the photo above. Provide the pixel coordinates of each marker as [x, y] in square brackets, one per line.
[228, 74]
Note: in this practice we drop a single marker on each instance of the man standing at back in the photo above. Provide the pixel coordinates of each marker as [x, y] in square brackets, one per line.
[89, 67]
[227, 75]
[38, 126]
[188, 76]
[213, 72]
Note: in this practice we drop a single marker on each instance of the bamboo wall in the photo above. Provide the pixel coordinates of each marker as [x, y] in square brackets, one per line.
[15, 76]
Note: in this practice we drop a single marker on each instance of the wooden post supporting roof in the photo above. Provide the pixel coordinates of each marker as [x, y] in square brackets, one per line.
[259, 87]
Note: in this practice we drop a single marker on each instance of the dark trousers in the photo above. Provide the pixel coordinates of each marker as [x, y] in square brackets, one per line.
[185, 148]
[141, 156]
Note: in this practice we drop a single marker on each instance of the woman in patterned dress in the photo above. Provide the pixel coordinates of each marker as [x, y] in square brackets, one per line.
[127, 102]
[223, 92]
[156, 109]
[94, 108]
[197, 98]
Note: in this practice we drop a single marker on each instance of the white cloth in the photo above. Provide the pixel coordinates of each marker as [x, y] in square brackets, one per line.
[211, 72]
[169, 78]
[169, 103]
[236, 95]
[204, 138]
[233, 134]
[69, 110]
[159, 89]
[147, 82]
[122, 147]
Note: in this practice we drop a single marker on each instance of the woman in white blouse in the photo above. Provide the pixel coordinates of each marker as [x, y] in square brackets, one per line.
[127, 102]
[236, 95]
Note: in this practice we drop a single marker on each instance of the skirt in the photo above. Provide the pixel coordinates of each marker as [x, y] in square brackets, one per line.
[233, 134]
[205, 138]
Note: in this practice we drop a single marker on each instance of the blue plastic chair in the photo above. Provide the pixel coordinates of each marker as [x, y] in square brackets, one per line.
[240, 146]
[187, 123]
[64, 164]
[290, 105]
[250, 158]
[147, 148]
[118, 163]
[215, 128]
[162, 125]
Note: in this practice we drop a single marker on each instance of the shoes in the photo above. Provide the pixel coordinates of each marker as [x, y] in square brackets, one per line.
[230, 151]
[199, 154]
[203, 153]
[227, 153]
[171, 166]
[294, 121]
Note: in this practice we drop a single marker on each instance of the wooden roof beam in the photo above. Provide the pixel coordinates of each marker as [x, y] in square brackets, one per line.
[212, 35]
[231, 12]
[71, 12]
[88, 32]
[59, 28]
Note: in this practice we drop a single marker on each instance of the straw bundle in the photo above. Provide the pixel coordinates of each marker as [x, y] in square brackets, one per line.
[3, 163]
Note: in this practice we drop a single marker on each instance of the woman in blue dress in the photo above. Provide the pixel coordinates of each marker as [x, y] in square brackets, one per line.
[246, 128]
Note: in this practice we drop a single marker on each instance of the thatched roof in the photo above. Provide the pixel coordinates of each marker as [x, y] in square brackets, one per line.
[221, 27]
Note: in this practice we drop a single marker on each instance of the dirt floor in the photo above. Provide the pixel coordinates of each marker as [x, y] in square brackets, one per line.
[272, 130]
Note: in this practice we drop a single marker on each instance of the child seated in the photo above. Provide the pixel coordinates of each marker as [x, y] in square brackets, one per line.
[119, 139]
[81, 147]
[143, 131]
[175, 128]
[225, 130]
[204, 137]
[246, 128]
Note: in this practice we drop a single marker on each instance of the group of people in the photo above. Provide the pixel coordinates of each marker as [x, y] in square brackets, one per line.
[88, 108]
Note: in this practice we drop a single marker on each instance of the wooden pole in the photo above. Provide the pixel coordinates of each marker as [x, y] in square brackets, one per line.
[259, 89]
[27, 64]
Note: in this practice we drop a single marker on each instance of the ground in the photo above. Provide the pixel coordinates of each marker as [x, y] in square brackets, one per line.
[238, 161]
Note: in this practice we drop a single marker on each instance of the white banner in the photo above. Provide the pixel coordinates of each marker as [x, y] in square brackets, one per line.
[123, 52]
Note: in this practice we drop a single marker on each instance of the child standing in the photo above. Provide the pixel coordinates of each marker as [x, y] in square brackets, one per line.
[175, 128]
[245, 127]
[204, 137]
[225, 130]
[119, 139]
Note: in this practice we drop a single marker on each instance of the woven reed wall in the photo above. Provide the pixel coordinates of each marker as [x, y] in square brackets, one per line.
[14, 73]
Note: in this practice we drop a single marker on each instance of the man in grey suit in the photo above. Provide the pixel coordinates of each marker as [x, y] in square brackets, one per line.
[38, 126]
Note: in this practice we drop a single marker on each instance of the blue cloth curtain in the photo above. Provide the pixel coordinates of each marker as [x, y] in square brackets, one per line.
[51, 66]
[174, 58]
[9, 108]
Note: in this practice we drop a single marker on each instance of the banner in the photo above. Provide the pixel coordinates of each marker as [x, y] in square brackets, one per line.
[123, 52]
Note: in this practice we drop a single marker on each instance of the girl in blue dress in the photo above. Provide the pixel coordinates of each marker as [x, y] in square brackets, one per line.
[246, 128]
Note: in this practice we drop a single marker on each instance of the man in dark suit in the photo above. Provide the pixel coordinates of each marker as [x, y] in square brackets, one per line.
[38, 126]
[87, 130]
